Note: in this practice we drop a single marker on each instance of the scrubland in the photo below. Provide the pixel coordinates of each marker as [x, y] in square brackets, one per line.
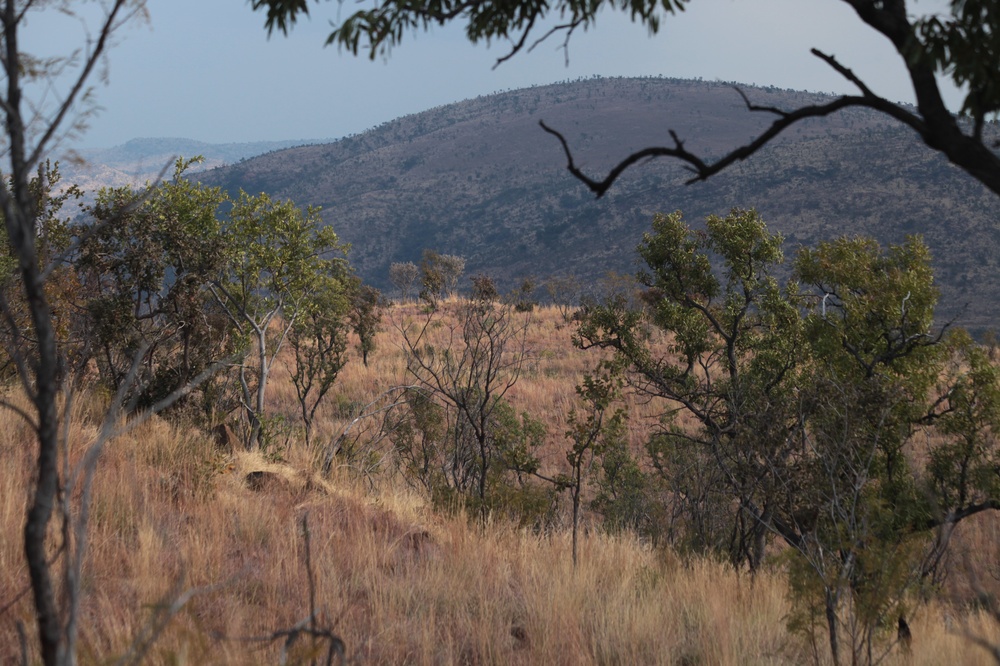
[174, 518]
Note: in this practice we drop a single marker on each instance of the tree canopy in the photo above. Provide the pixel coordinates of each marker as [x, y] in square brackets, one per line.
[822, 412]
[963, 44]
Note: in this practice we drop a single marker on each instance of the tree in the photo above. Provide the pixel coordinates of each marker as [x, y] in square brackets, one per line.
[964, 45]
[55, 238]
[812, 404]
[452, 267]
[365, 315]
[146, 259]
[728, 359]
[403, 276]
[564, 293]
[276, 253]
[432, 278]
[32, 128]
[592, 434]
[318, 337]
[468, 373]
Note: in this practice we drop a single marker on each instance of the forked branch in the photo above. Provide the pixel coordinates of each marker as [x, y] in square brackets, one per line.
[703, 169]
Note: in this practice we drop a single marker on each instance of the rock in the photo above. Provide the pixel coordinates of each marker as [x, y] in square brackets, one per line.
[259, 481]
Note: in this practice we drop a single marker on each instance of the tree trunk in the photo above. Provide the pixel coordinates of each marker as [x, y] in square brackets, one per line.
[576, 517]
[262, 374]
[831, 623]
[20, 230]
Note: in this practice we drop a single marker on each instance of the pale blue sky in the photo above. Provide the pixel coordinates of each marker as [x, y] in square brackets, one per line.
[205, 69]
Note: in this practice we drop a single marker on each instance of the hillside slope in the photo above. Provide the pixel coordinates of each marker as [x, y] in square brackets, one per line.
[479, 178]
[140, 160]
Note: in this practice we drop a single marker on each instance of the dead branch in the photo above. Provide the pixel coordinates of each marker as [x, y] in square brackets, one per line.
[703, 169]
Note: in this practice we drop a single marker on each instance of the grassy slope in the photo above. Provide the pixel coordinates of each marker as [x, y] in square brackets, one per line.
[399, 582]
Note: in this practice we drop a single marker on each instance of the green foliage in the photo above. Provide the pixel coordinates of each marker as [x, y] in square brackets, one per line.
[476, 450]
[384, 26]
[599, 434]
[878, 307]
[318, 338]
[276, 434]
[277, 256]
[419, 441]
[963, 470]
[171, 287]
[523, 301]
[146, 258]
[703, 513]
[275, 251]
[806, 400]
[725, 350]
[484, 289]
[451, 268]
[564, 293]
[432, 278]
[440, 455]
[53, 238]
[624, 497]
[965, 45]
[403, 276]
[365, 316]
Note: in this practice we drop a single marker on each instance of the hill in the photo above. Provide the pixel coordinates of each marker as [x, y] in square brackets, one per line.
[141, 160]
[479, 178]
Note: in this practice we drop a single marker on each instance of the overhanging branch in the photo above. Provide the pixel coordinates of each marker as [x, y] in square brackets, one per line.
[703, 169]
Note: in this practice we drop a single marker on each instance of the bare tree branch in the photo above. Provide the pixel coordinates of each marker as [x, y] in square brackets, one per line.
[703, 169]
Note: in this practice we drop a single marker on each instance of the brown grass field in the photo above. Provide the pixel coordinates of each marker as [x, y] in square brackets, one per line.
[397, 581]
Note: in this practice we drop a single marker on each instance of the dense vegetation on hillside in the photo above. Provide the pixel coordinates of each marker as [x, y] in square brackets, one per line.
[481, 180]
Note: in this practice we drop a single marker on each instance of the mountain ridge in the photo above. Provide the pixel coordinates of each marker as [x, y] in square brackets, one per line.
[480, 179]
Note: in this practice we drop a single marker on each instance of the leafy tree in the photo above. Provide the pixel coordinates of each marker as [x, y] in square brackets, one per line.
[403, 276]
[146, 259]
[807, 399]
[564, 293]
[275, 255]
[592, 434]
[318, 338]
[624, 497]
[420, 440]
[963, 471]
[431, 278]
[365, 315]
[451, 267]
[523, 301]
[962, 44]
[56, 249]
[728, 359]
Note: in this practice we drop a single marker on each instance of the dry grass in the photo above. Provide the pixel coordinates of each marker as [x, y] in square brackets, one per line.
[399, 582]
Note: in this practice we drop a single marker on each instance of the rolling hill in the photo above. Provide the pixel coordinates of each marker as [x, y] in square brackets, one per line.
[140, 160]
[479, 178]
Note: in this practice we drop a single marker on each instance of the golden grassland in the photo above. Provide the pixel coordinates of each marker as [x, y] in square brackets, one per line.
[399, 582]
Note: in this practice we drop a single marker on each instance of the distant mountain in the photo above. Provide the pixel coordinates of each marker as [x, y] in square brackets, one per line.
[479, 178]
[141, 160]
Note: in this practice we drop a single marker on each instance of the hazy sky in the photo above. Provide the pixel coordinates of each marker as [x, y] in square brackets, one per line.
[206, 70]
